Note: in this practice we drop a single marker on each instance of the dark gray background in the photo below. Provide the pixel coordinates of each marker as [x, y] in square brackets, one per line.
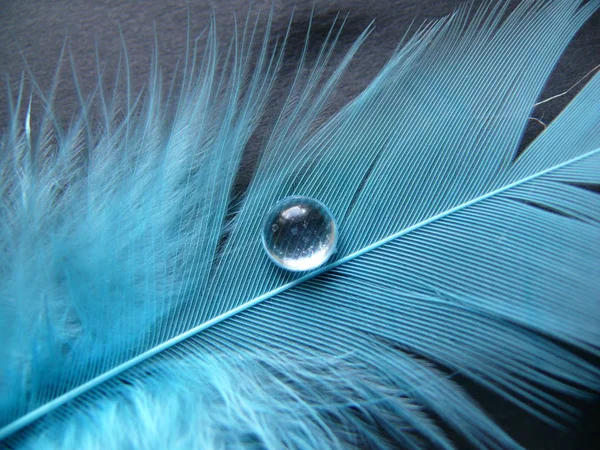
[34, 31]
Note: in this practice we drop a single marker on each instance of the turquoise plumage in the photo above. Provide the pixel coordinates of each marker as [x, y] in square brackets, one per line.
[139, 309]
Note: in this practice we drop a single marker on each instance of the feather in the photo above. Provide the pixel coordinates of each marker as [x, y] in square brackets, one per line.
[139, 309]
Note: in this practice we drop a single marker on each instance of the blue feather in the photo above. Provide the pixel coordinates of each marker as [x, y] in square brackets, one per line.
[139, 309]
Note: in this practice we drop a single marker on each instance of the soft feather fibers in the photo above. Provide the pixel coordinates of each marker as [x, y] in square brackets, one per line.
[138, 309]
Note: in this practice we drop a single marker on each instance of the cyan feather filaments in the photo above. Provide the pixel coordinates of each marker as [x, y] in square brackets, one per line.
[459, 262]
[299, 233]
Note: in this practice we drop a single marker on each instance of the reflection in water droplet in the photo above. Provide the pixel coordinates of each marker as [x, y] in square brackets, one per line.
[299, 233]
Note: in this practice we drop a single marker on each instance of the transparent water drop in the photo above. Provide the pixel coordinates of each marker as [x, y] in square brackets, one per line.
[299, 233]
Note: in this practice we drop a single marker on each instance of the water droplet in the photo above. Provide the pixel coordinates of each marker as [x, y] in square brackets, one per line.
[299, 233]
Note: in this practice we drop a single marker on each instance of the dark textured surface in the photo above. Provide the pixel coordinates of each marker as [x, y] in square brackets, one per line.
[35, 31]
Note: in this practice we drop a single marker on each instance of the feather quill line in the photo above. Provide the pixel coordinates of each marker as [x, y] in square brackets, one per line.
[55, 403]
